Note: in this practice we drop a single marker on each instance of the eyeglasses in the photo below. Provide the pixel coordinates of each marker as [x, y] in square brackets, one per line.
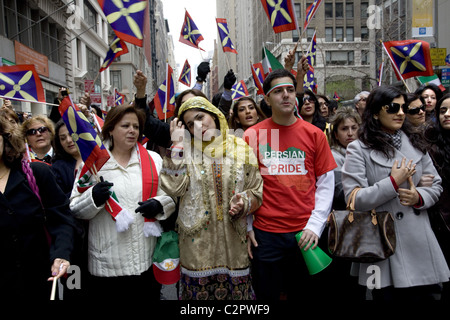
[394, 108]
[416, 110]
[308, 98]
[41, 130]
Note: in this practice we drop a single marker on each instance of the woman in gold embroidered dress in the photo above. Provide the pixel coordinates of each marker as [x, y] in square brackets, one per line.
[216, 176]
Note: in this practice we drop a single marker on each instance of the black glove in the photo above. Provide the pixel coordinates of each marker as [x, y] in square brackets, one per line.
[202, 71]
[100, 192]
[149, 208]
[229, 80]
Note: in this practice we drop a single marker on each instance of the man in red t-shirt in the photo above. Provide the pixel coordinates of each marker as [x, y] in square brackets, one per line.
[297, 165]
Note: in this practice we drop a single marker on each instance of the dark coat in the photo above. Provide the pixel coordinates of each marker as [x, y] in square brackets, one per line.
[26, 256]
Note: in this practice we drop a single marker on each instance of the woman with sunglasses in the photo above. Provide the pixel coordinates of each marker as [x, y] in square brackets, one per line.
[39, 133]
[387, 162]
[309, 109]
[439, 138]
[36, 225]
[431, 95]
[415, 112]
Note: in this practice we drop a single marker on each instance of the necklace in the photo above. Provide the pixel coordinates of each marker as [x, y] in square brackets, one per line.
[3, 175]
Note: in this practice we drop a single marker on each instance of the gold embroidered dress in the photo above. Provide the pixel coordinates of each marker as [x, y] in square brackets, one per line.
[213, 249]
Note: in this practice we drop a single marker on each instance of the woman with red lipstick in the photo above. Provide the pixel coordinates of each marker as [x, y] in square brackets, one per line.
[387, 163]
[431, 95]
[216, 176]
[120, 259]
[416, 111]
[246, 113]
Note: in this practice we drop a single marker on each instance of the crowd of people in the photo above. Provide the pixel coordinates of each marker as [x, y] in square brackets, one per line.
[237, 180]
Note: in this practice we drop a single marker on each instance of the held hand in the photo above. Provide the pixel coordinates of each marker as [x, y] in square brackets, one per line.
[202, 71]
[177, 132]
[140, 82]
[302, 65]
[409, 197]
[229, 80]
[402, 173]
[100, 192]
[308, 239]
[86, 99]
[236, 205]
[149, 208]
[59, 268]
[289, 60]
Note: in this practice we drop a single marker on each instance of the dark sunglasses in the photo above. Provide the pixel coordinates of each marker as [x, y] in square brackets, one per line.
[394, 108]
[416, 110]
[308, 98]
[41, 130]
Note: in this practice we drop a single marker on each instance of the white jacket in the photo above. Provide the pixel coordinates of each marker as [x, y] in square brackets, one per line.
[111, 253]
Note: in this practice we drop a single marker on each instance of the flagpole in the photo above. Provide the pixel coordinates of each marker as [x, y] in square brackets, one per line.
[395, 66]
[25, 100]
[93, 83]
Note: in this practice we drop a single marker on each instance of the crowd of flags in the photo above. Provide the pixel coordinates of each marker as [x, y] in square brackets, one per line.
[409, 58]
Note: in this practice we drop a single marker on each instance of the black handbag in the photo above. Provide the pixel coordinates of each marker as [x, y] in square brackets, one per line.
[360, 236]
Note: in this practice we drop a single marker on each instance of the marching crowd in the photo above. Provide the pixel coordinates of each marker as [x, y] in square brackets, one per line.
[236, 180]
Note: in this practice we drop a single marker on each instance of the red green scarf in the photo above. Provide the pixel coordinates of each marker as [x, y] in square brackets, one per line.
[121, 216]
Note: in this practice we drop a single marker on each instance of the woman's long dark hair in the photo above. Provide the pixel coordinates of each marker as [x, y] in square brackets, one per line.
[318, 120]
[371, 133]
[439, 140]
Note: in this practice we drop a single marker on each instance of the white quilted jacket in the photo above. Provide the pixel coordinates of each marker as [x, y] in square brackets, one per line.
[110, 253]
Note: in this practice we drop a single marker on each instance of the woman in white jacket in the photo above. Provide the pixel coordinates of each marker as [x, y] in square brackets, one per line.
[120, 257]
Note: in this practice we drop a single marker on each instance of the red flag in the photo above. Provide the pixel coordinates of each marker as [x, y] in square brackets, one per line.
[258, 76]
[310, 12]
[185, 76]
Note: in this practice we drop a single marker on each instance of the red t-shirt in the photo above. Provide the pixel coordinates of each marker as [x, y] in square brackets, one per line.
[290, 160]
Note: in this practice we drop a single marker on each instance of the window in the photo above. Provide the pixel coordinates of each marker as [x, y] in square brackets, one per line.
[310, 33]
[349, 33]
[364, 7]
[328, 10]
[116, 79]
[349, 10]
[339, 10]
[93, 65]
[364, 57]
[339, 34]
[329, 34]
[90, 16]
[338, 58]
[364, 34]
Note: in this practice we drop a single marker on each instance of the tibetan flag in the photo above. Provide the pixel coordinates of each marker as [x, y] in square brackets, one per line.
[434, 79]
[91, 148]
[185, 76]
[227, 45]
[190, 34]
[239, 90]
[269, 62]
[118, 98]
[126, 18]
[258, 76]
[21, 82]
[411, 58]
[164, 99]
[310, 12]
[336, 97]
[116, 49]
[281, 14]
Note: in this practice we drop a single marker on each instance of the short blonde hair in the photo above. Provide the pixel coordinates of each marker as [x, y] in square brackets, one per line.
[41, 118]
